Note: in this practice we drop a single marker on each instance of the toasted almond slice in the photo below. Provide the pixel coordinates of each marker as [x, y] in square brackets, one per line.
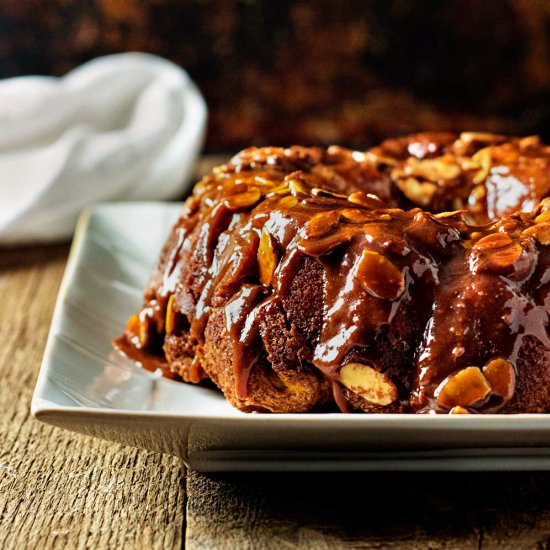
[169, 322]
[459, 410]
[144, 327]
[483, 159]
[498, 250]
[366, 199]
[267, 259]
[501, 376]
[543, 217]
[322, 223]
[540, 232]
[372, 385]
[243, 201]
[482, 137]
[287, 202]
[419, 192]
[529, 141]
[379, 276]
[356, 215]
[298, 188]
[464, 388]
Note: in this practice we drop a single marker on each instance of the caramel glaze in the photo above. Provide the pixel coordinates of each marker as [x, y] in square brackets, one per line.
[435, 270]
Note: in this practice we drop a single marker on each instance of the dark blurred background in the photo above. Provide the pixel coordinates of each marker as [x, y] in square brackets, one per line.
[325, 71]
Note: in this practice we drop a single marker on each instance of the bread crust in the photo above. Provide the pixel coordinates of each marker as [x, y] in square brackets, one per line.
[423, 263]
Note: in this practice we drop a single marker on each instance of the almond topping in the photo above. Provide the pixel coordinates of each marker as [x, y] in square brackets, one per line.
[459, 410]
[327, 243]
[502, 377]
[287, 202]
[374, 157]
[543, 217]
[281, 189]
[497, 251]
[366, 199]
[267, 259]
[483, 159]
[297, 187]
[540, 232]
[372, 385]
[170, 316]
[379, 276]
[143, 334]
[441, 168]
[529, 141]
[464, 388]
[242, 201]
[419, 193]
[322, 223]
[481, 137]
[355, 215]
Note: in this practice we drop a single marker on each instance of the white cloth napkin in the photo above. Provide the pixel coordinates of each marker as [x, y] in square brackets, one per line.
[121, 127]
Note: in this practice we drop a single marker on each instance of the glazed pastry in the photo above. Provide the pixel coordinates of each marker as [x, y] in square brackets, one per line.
[413, 277]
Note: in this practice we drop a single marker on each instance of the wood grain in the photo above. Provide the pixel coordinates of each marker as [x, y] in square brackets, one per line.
[493, 511]
[59, 489]
[62, 490]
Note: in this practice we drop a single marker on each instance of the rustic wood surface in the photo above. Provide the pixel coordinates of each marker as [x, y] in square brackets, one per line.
[63, 490]
[59, 489]
[494, 511]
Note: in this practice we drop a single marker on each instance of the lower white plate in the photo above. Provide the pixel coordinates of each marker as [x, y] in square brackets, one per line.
[86, 387]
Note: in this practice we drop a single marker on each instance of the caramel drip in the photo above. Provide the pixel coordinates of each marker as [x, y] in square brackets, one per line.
[241, 323]
[144, 358]
[419, 288]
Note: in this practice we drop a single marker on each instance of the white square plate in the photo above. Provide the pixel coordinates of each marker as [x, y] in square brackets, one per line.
[86, 387]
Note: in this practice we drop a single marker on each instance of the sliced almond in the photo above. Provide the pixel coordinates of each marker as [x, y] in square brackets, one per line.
[366, 199]
[529, 141]
[263, 181]
[483, 159]
[319, 192]
[323, 245]
[501, 376]
[497, 251]
[540, 232]
[459, 410]
[372, 385]
[169, 322]
[464, 388]
[419, 192]
[481, 137]
[440, 168]
[281, 189]
[375, 156]
[144, 327]
[543, 217]
[287, 202]
[356, 215]
[322, 223]
[242, 201]
[494, 242]
[379, 276]
[267, 259]
[297, 188]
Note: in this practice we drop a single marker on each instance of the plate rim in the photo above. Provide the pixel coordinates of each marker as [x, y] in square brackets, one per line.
[44, 409]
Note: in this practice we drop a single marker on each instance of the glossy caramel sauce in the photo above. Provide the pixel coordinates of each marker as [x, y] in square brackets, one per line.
[433, 245]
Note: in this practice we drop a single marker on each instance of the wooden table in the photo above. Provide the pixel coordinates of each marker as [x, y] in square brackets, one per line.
[63, 490]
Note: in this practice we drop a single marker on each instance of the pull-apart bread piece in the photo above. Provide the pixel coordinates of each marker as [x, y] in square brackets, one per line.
[412, 277]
